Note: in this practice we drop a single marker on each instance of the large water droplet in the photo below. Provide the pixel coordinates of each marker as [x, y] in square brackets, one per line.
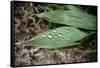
[43, 35]
[59, 35]
[54, 30]
[50, 36]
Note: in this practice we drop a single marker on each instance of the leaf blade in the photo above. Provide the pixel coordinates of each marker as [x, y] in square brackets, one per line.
[71, 18]
[57, 38]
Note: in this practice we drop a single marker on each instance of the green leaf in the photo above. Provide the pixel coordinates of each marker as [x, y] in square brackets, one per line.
[93, 50]
[74, 8]
[72, 18]
[57, 38]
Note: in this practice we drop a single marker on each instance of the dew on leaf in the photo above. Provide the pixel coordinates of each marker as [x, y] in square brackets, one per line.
[67, 31]
[31, 39]
[59, 35]
[62, 39]
[43, 36]
[50, 36]
[54, 30]
[68, 38]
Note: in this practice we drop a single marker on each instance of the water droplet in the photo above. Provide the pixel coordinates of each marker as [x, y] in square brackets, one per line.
[54, 30]
[32, 38]
[50, 36]
[43, 36]
[90, 44]
[68, 38]
[59, 35]
[67, 31]
[62, 39]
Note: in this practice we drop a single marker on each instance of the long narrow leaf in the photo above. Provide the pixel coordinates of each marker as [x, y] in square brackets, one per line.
[57, 38]
[73, 18]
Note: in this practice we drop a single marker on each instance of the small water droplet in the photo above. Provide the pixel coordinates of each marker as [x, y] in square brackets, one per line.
[33, 38]
[67, 31]
[54, 30]
[50, 36]
[68, 38]
[43, 36]
[62, 39]
[59, 35]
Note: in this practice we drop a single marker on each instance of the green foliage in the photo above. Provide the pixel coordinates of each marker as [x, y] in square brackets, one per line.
[74, 8]
[57, 38]
[93, 50]
[73, 18]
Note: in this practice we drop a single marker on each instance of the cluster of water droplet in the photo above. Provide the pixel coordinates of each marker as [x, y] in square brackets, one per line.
[50, 35]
